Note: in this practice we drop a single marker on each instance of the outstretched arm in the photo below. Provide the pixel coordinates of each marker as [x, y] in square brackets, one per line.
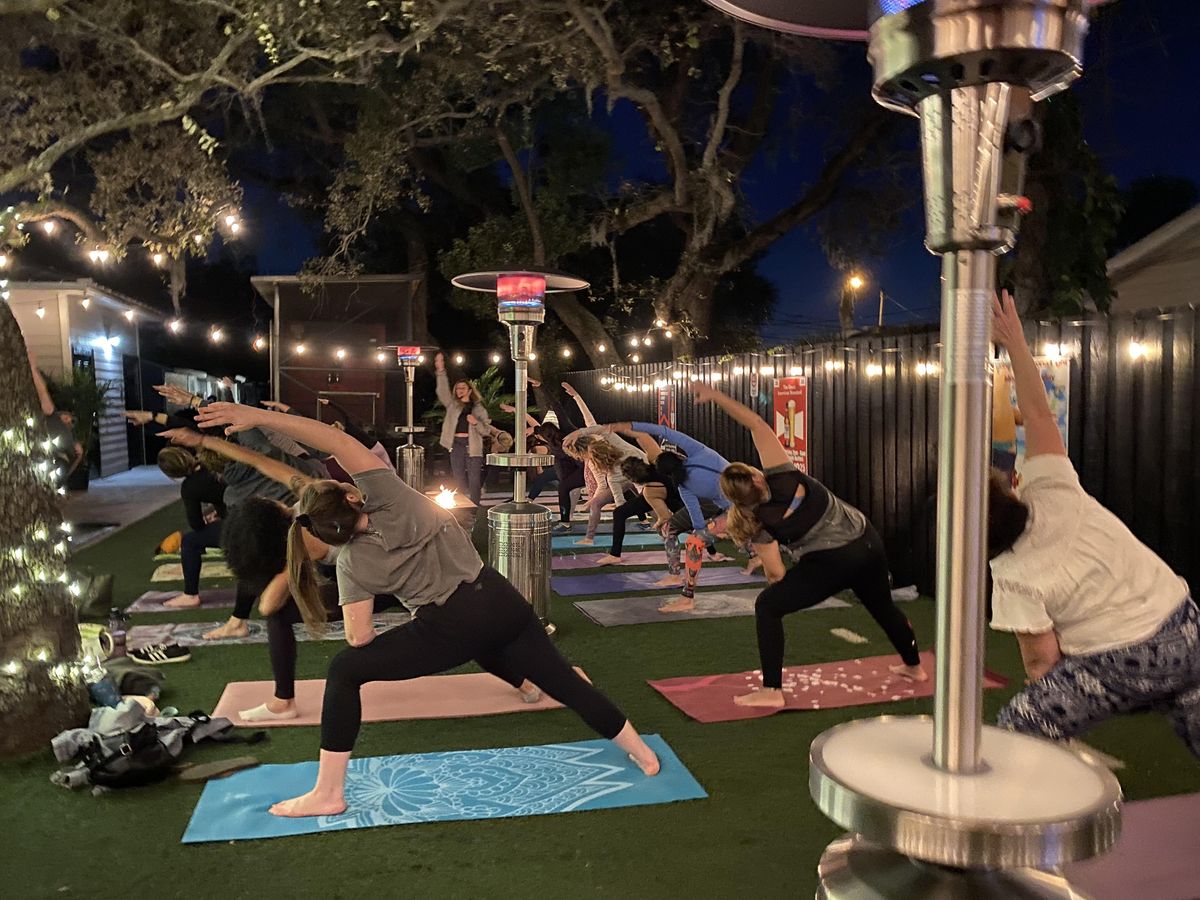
[272, 468]
[649, 446]
[766, 442]
[588, 418]
[39, 383]
[351, 455]
[1041, 430]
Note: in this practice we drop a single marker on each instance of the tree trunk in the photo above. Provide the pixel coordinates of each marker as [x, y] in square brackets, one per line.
[36, 612]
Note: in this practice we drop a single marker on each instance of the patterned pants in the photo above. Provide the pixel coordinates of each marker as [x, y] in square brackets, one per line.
[1161, 673]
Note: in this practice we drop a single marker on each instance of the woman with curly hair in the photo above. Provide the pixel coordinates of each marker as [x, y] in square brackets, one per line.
[464, 429]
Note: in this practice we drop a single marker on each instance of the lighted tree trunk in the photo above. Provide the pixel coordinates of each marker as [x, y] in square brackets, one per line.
[40, 692]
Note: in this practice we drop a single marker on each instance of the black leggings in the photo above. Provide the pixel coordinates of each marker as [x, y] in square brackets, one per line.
[860, 566]
[567, 482]
[485, 620]
[638, 506]
[281, 641]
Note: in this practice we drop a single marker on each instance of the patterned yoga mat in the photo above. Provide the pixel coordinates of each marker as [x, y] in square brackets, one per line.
[174, 571]
[440, 787]
[191, 634]
[616, 581]
[829, 685]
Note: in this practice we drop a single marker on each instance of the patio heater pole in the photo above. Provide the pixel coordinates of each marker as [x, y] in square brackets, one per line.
[410, 457]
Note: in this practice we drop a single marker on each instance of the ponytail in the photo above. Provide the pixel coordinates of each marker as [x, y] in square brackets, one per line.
[302, 581]
[737, 484]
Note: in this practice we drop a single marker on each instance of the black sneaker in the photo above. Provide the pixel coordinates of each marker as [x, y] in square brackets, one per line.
[160, 654]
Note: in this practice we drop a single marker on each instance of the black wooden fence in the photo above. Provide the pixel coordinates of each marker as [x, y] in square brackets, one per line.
[873, 406]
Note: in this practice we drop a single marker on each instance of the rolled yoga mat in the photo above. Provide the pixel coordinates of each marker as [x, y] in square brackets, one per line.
[191, 634]
[152, 601]
[441, 787]
[603, 544]
[709, 605]
[431, 697]
[830, 685]
[1155, 857]
[619, 582]
[174, 571]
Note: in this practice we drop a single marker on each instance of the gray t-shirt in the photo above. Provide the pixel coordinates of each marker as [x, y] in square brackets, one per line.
[412, 549]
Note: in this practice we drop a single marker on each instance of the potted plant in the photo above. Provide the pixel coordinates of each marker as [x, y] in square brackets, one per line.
[79, 393]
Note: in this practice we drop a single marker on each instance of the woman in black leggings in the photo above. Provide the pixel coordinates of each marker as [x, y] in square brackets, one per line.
[834, 546]
[395, 540]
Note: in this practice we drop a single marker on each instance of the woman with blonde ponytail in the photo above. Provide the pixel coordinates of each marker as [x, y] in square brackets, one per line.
[395, 540]
[835, 549]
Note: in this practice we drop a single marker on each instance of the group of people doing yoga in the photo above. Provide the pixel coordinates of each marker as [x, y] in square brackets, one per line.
[1097, 638]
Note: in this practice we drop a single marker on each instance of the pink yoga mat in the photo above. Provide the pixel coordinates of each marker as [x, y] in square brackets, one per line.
[831, 685]
[583, 560]
[431, 697]
[1155, 856]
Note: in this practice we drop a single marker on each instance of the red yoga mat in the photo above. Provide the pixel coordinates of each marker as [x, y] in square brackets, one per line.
[831, 685]
[431, 697]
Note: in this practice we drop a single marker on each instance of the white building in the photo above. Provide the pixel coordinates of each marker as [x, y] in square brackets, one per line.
[81, 323]
[1160, 270]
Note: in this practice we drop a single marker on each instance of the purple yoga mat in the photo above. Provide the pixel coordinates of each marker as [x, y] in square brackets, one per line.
[1155, 857]
[621, 582]
[152, 601]
[590, 560]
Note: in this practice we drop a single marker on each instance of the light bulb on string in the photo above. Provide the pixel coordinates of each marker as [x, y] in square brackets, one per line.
[715, 377]
[668, 334]
[1137, 350]
[41, 311]
[566, 352]
[340, 353]
[495, 359]
[49, 226]
[157, 259]
[380, 357]
[4, 260]
[235, 228]
[459, 359]
[85, 302]
[677, 375]
[175, 326]
[259, 342]
[659, 323]
[645, 388]
[532, 356]
[646, 341]
[635, 358]
[300, 349]
[198, 238]
[600, 347]
[738, 370]
[633, 342]
[216, 335]
[128, 314]
[230, 219]
[795, 370]
[874, 370]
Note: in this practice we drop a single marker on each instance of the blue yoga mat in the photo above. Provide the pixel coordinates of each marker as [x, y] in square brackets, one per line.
[443, 787]
[604, 541]
[614, 582]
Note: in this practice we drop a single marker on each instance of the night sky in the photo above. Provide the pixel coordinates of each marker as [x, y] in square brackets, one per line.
[1141, 113]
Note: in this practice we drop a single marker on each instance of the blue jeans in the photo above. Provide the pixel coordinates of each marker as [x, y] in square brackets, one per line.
[1161, 673]
[468, 470]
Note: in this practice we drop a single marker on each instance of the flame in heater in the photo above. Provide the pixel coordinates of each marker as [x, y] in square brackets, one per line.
[445, 497]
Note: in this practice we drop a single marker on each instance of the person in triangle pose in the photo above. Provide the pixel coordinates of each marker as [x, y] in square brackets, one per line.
[834, 545]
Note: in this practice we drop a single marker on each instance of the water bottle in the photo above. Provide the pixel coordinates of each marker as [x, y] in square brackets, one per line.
[101, 686]
[118, 624]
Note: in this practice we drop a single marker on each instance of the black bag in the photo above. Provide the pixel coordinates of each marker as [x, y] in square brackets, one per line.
[139, 757]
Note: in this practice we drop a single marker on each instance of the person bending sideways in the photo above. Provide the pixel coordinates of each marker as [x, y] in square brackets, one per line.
[1105, 627]
[835, 549]
[396, 541]
[197, 487]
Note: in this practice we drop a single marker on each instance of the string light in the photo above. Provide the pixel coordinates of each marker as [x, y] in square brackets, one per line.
[41, 311]
[49, 226]
[927, 369]
[380, 357]
[495, 358]
[532, 355]
[128, 314]
[648, 342]
[715, 377]
[668, 334]
[566, 352]
[834, 365]
[1137, 350]
[85, 302]
[300, 349]
[768, 371]
[158, 259]
[4, 260]
[738, 370]
[198, 238]
[635, 358]
[795, 370]
[216, 335]
[98, 255]
[645, 388]
[340, 353]
[260, 342]
[874, 370]
[633, 342]
[230, 220]
[1054, 351]
[601, 347]
[677, 375]
[175, 325]
[659, 323]
[459, 359]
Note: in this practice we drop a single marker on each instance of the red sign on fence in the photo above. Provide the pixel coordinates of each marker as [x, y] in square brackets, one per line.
[790, 418]
[666, 406]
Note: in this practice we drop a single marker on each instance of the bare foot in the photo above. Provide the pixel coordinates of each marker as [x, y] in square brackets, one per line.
[183, 601]
[309, 804]
[772, 698]
[753, 566]
[582, 674]
[529, 691]
[912, 673]
[234, 628]
[278, 706]
[585, 542]
[669, 581]
[608, 560]
[649, 765]
[678, 605]
[717, 557]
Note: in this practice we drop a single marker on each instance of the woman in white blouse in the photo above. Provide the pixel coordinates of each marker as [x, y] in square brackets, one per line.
[1105, 627]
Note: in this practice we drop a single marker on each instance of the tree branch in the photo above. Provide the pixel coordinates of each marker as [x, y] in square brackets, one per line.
[717, 135]
[524, 196]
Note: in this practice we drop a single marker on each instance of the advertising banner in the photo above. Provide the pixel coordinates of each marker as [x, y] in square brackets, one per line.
[790, 418]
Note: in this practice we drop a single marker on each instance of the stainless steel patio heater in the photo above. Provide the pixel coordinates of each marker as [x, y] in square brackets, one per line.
[943, 806]
[519, 540]
[410, 457]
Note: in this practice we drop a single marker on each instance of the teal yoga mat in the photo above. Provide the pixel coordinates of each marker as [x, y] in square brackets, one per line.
[442, 787]
[604, 542]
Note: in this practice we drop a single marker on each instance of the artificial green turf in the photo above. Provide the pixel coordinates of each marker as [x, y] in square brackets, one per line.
[758, 834]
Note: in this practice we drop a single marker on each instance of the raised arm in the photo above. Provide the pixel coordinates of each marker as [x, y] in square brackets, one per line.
[766, 442]
[39, 384]
[272, 468]
[1041, 430]
[588, 419]
[688, 445]
[442, 381]
[351, 455]
[648, 444]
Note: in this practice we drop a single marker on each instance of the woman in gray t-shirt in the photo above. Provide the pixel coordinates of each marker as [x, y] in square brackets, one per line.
[396, 541]
[835, 548]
